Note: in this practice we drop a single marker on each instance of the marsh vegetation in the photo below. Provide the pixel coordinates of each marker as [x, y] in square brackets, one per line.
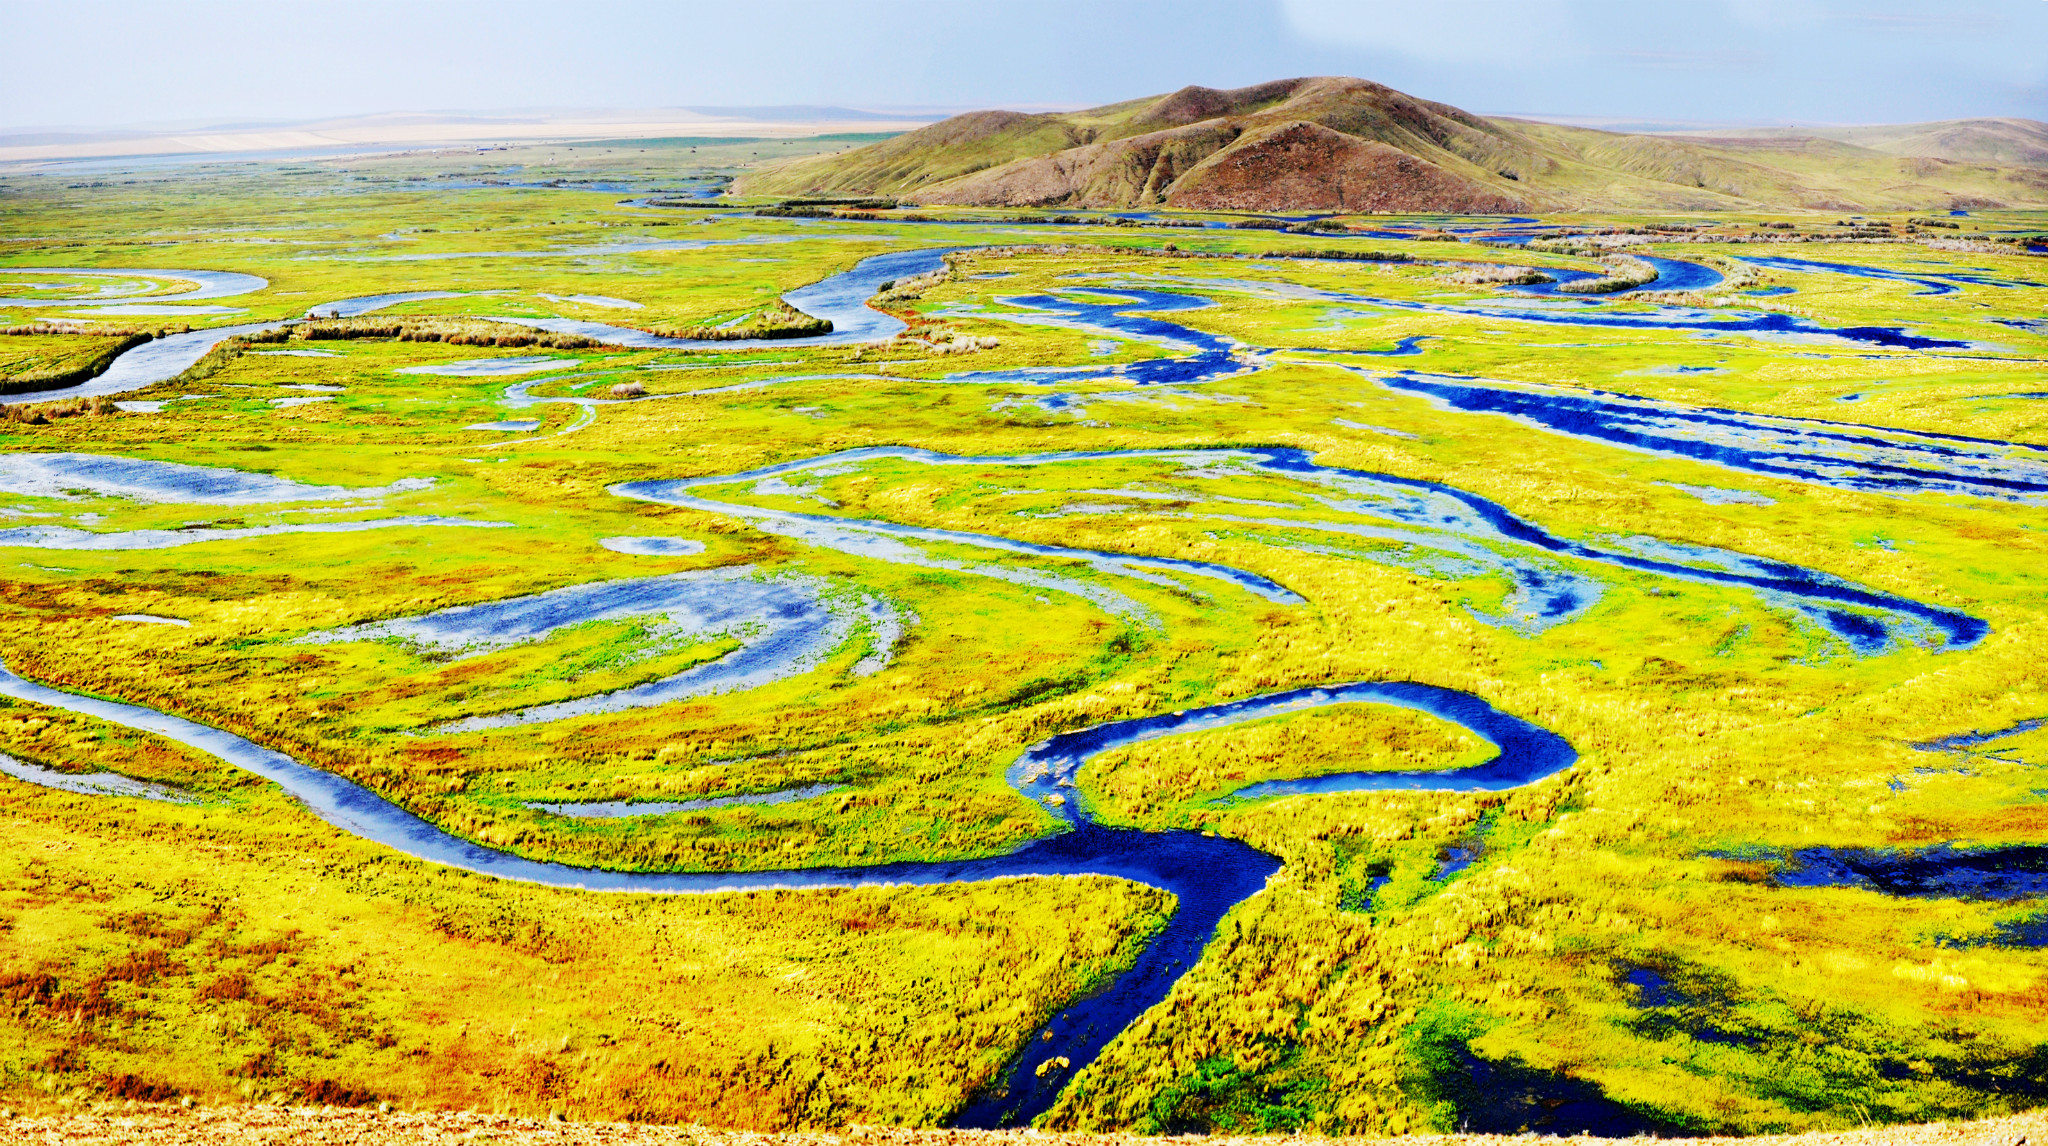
[1748, 563]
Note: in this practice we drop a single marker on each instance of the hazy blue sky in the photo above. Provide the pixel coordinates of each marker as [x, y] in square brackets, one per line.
[129, 62]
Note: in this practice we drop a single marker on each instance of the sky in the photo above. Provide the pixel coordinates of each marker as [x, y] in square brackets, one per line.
[87, 64]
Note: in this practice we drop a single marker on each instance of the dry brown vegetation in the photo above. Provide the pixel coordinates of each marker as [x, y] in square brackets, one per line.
[1491, 275]
[1308, 165]
[456, 331]
[778, 320]
[43, 413]
[1624, 272]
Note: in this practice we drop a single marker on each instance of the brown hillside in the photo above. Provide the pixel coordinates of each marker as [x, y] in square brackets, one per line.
[2008, 142]
[1144, 152]
[1998, 142]
[1310, 166]
[1193, 104]
[1343, 135]
[1119, 173]
[1133, 154]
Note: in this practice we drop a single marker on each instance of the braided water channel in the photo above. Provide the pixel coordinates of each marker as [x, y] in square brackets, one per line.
[1207, 874]
[1413, 522]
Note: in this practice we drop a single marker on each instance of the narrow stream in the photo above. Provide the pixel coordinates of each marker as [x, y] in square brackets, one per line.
[167, 357]
[841, 299]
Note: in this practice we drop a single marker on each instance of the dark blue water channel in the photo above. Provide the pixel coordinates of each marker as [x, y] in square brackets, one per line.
[1407, 347]
[1840, 454]
[1206, 357]
[1705, 322]
[1678, 274]
[1931, 282]
[1594, 312]
[1835, 603]
[1215, 357]
[1526, 753]
[1207, 874]
[1962, 741]
[1943, 871]
[1672, 275]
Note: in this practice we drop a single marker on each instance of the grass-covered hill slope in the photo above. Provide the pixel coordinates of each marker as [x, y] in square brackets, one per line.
[2001, 142]
[1340, 144]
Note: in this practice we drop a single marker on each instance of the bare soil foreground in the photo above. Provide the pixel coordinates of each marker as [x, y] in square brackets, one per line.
[245, 1125]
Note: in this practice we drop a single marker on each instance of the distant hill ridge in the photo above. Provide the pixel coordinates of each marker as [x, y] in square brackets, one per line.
[1339, 144]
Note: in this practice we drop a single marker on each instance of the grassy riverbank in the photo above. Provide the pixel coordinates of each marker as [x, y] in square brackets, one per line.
[31, 362]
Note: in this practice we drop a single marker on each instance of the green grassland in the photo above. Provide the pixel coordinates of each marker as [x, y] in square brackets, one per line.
[237, 947]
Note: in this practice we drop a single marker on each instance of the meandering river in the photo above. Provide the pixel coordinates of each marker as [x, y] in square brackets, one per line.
[1208, 875]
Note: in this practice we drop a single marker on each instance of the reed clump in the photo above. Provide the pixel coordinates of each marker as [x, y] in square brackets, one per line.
[1624, 272]
[779, 320]
[1342, 254]
[95, 331]
[454, 331]
[1735, 274]
[907, 290]
[1968, 246]
[951, 342]
[43, 413]
[1490, 274]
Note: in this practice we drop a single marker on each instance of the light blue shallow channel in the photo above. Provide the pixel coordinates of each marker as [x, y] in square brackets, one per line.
[1869, 621]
